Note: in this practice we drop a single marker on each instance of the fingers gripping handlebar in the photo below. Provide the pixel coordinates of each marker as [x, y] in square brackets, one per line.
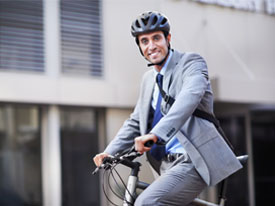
[125, 159]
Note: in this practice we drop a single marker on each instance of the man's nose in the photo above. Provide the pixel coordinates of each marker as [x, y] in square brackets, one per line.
[152, 45]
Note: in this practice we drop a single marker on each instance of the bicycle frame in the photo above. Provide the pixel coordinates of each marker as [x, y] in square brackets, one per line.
[133, 182]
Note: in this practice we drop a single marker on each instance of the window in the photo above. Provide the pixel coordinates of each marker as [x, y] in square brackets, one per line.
[21, 35]
[81, 37]
[20, 156]
[263, 134]
[79, 143]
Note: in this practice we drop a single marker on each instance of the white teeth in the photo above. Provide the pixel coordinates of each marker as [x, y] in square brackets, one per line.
[154, 54]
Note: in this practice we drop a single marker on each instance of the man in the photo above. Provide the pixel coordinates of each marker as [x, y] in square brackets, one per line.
[190, 151]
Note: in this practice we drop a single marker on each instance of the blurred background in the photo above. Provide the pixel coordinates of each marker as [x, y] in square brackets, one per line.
[70, 73]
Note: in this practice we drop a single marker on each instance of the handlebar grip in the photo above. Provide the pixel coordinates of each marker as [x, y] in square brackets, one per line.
[106, 159]
[149, 143]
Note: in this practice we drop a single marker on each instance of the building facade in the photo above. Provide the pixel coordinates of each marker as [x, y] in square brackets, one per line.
[70, 74]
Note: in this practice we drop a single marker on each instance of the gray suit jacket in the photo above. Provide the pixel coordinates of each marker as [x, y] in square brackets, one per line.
[186, 79]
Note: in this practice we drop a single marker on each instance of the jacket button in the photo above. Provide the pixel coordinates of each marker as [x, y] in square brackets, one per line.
[170, 132]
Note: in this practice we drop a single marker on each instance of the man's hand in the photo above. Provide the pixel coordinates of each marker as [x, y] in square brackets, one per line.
[141, 140]
[98, 159]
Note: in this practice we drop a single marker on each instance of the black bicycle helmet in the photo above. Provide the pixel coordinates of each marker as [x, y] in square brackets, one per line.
[149, 22]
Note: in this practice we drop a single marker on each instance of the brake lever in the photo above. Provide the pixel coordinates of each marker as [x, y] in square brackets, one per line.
[96, 170]
[105, 165]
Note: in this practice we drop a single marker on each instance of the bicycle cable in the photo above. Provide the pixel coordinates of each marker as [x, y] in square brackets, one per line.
[125, 186]
[117, 185]
[104, 191]
[108, 174]
[111, 169]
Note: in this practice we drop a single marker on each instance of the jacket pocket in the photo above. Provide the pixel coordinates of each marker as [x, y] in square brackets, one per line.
[204, 137]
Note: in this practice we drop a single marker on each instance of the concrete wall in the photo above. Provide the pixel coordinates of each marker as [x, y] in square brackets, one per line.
[239, 47]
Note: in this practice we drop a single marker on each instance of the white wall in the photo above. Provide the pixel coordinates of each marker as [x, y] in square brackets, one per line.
[239, 47]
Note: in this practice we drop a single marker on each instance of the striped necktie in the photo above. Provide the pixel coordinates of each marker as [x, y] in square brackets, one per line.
[158, 114]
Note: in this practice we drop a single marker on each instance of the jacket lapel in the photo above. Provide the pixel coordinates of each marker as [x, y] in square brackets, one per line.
[169, 71]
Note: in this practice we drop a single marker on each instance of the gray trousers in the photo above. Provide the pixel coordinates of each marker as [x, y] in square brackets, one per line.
[178, 184]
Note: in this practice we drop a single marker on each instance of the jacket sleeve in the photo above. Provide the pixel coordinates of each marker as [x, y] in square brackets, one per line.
[194, 80]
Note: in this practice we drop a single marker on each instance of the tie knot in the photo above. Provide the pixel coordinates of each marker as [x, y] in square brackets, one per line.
[159, 79]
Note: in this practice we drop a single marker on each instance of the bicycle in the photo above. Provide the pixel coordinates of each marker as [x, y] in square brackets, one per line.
[133, 183]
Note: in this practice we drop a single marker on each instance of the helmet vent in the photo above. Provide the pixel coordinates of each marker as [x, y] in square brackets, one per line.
[154, 20]
[163, 21]
[145, 21]
[137, 24]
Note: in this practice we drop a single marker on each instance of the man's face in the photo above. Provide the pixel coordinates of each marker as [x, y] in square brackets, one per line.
[154, 46]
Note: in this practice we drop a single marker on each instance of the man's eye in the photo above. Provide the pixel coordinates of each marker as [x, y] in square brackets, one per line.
[156, 38]
[144, 41]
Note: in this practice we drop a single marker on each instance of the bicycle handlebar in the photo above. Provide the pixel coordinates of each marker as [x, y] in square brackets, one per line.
[126, 159]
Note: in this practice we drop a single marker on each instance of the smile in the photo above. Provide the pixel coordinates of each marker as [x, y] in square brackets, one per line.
[154, 54]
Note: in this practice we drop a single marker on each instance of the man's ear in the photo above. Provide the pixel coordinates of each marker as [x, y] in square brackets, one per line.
[168, 38]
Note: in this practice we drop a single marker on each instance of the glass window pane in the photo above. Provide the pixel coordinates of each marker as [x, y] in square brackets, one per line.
[79, 143]
[263, 134]
[234, 128]
[21, 35]
[81, 37]
[20, 156]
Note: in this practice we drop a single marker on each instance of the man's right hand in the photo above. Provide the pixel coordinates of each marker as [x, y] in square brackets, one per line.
[98, 159]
